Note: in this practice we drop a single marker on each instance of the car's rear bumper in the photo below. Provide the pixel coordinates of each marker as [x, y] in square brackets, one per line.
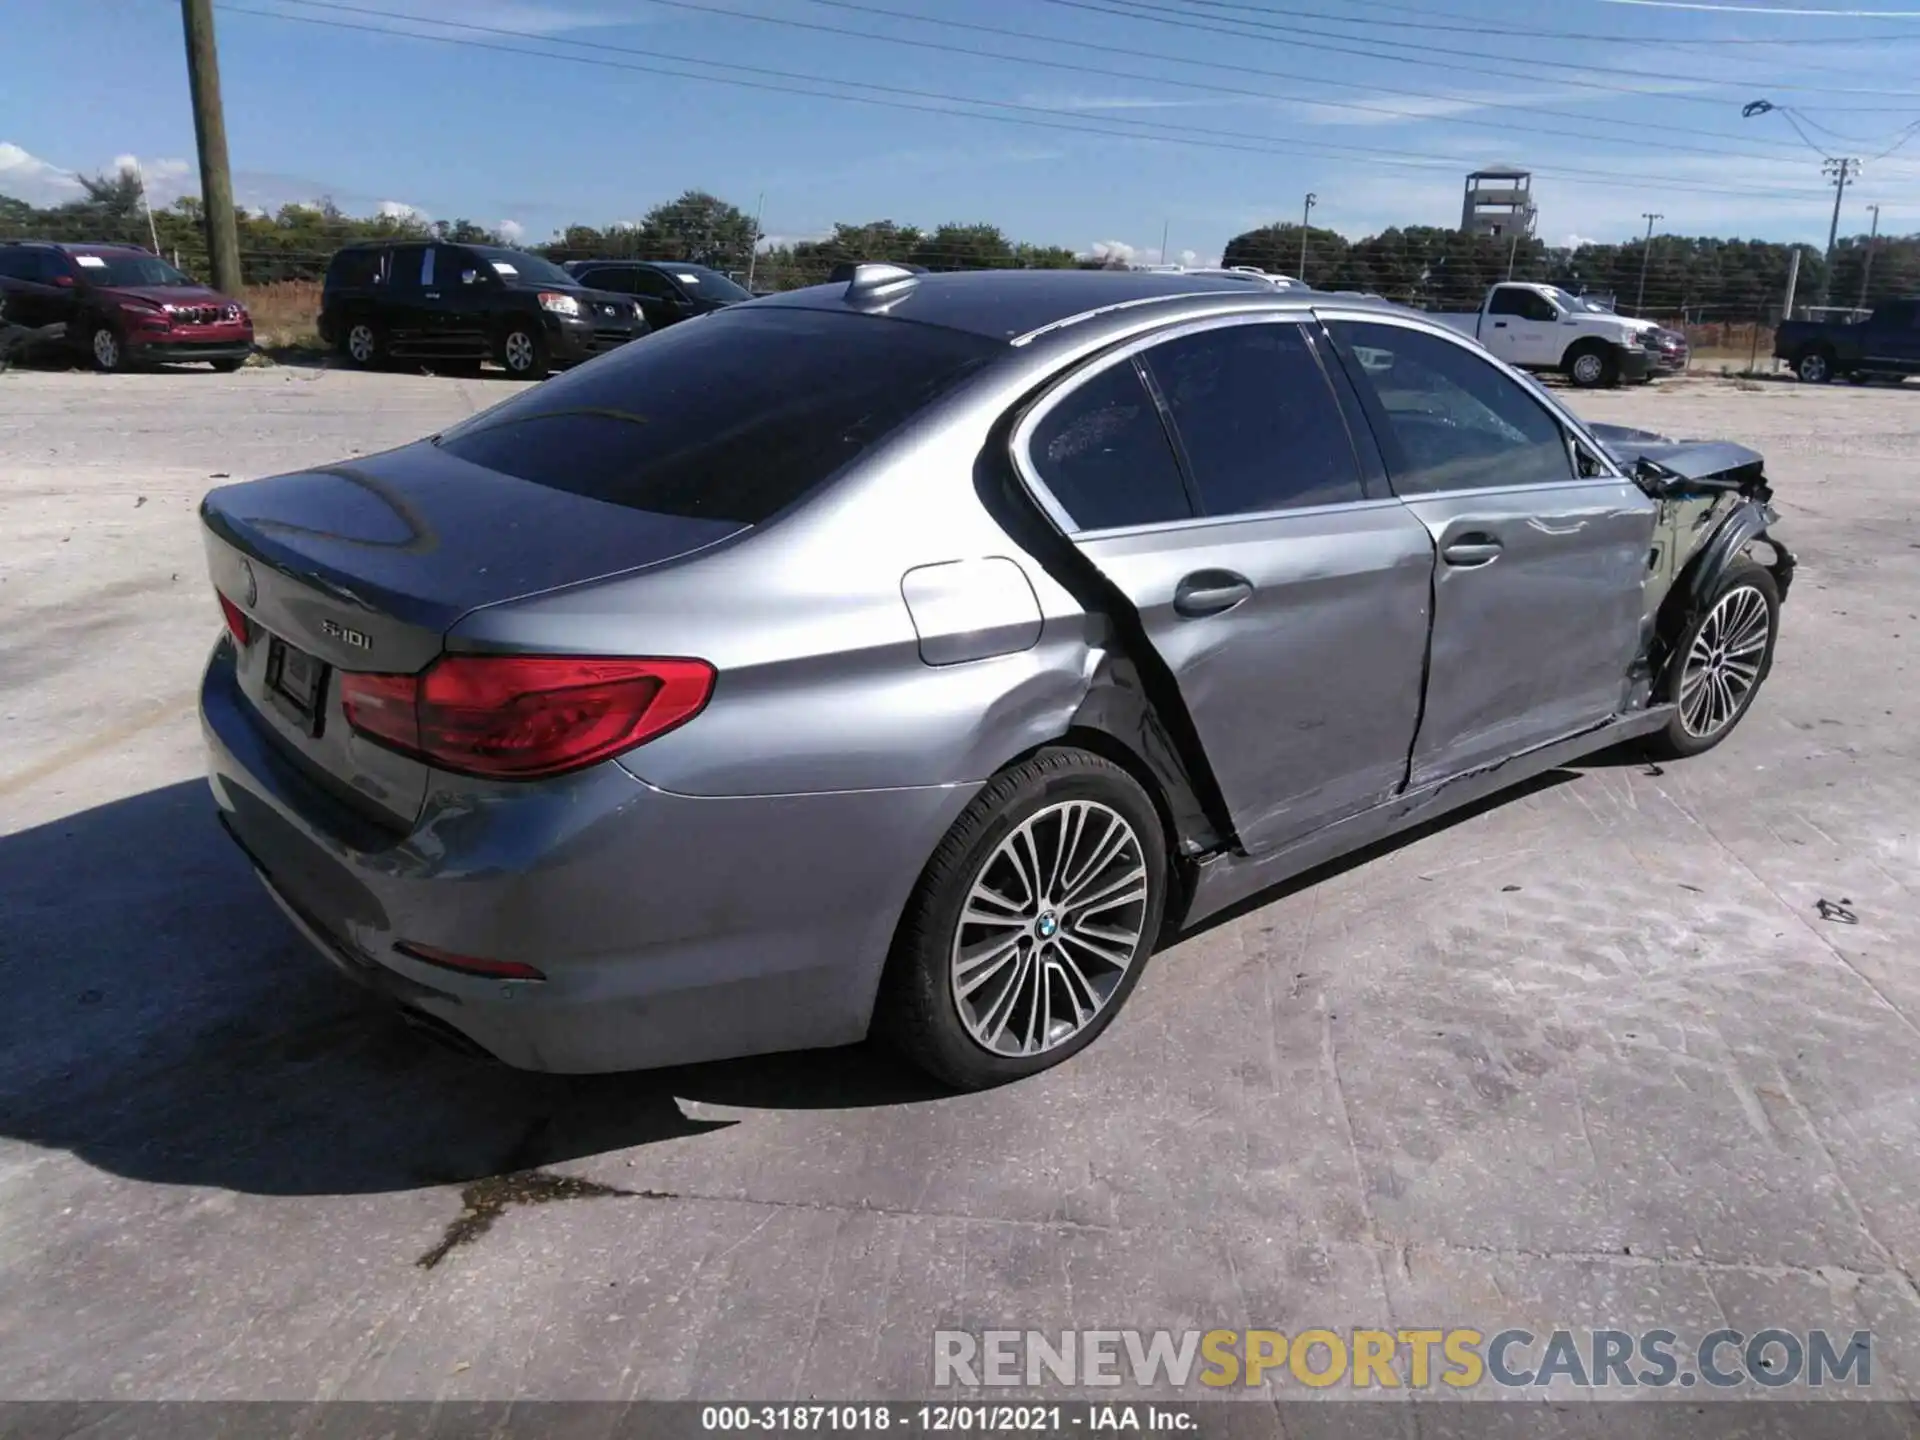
[670, 928]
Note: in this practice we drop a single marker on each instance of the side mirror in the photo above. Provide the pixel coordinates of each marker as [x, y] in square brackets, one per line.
[65, 282]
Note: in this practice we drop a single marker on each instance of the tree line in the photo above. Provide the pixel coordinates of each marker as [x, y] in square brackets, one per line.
[1698, 278]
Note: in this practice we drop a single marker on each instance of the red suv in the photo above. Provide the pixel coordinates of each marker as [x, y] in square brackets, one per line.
[122, 306]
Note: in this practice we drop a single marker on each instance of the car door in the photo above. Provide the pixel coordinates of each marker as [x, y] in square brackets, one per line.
[660, 299]
[1539, 571]
[406, 302]
[1211, 476]
[1890, 338]
[465, 284]
[1523, 325]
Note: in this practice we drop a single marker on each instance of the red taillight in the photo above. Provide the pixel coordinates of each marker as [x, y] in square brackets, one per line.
[469, 964]
[238, 625]
[524, 717]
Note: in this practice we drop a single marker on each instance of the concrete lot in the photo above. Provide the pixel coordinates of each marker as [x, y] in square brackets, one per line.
[1587, 1057]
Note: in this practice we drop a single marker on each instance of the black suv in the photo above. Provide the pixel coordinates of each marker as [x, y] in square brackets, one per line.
[668, 290]
[458, 305]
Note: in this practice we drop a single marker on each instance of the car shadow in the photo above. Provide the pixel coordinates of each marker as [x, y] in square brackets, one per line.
[163, 1022]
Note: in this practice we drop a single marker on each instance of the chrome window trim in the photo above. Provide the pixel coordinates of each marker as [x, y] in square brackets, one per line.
[1570, 424]
[1254, 301]
[1021, 441]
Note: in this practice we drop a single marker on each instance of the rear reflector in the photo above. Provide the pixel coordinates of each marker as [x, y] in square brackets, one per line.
[525, 717]
[471, 965]
[238, 625]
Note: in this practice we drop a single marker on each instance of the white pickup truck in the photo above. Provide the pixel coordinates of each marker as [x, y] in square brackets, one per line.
[1542, 327]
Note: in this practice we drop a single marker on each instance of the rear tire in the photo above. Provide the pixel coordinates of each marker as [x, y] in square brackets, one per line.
[523, 353]
[226, 367]
[363, 344]
[1592, 365]
[1814, 366]
[1722, 659]
[1030, 925]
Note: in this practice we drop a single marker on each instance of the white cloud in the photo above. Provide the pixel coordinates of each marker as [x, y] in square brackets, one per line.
[400, 210]
[1574, 242]
[511, 230]
[1119, 250]
[166, 179]
[430, 17]
[38, 182]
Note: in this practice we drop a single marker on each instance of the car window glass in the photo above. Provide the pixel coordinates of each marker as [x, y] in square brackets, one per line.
[652, 285]
[731, 419]
[1507, 301]
[17, 264]
[427, 267]
[1538, 307]
[620, 282]
[355, 267]
[1103, 453]
[1458, 422]
[458, 268]
[1258, 421]
[404, 272]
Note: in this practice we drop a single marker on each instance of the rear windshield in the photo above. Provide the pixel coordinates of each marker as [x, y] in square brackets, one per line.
[111, 269]
[730, 416]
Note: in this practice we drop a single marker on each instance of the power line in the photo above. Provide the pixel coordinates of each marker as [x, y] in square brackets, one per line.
[1274, 34]
[1148, 130]
[1510, 31]
[1217, 65]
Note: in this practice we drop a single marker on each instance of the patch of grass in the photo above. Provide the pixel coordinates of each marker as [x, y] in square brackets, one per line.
[285, 314]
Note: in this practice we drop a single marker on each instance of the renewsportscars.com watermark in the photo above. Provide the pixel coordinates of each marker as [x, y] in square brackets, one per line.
[1418, 1359]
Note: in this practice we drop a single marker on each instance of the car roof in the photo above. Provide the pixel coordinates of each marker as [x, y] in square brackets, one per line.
[1012, 304]
[639, 264]
[85, 247]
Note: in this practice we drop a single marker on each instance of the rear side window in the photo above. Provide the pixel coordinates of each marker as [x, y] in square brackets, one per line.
[734, 418]
[354, 267]
[620, 282]
[1103, 453]
[1457, 421]
[1257, 418]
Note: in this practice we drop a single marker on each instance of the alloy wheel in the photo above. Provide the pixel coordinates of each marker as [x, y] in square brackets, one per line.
[1813, 369]
[106, 349]
[1723, 663]
[518, 352]
[1050, 927]
[361, 344]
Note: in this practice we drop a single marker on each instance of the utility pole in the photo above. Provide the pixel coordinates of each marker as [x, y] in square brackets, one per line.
[753, 249]
[1839, 171]
[1866, 271]
[1166, 228]
[210, 131]
[1306, 218]
[1646, 254]
[1793, 284]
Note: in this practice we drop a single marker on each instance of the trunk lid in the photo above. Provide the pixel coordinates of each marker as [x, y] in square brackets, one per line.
[366, 566]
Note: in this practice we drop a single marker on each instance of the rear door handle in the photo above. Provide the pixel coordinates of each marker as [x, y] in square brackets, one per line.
[1471, 550]
[1210, 592]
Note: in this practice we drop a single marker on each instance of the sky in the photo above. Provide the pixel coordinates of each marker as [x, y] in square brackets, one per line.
[1108, 126]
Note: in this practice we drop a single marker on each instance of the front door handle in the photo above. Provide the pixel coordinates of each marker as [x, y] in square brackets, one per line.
[431, 294]
[1210, 592]
[1472, 550]
[1499, 324]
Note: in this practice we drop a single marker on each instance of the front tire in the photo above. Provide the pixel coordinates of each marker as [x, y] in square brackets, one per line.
[523, 353]
[1722, 659]
[1592, 366]
[106, 351]
[225, 367]
[1031, 923]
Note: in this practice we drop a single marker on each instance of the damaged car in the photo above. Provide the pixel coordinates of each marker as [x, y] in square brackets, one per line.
[914, 655]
